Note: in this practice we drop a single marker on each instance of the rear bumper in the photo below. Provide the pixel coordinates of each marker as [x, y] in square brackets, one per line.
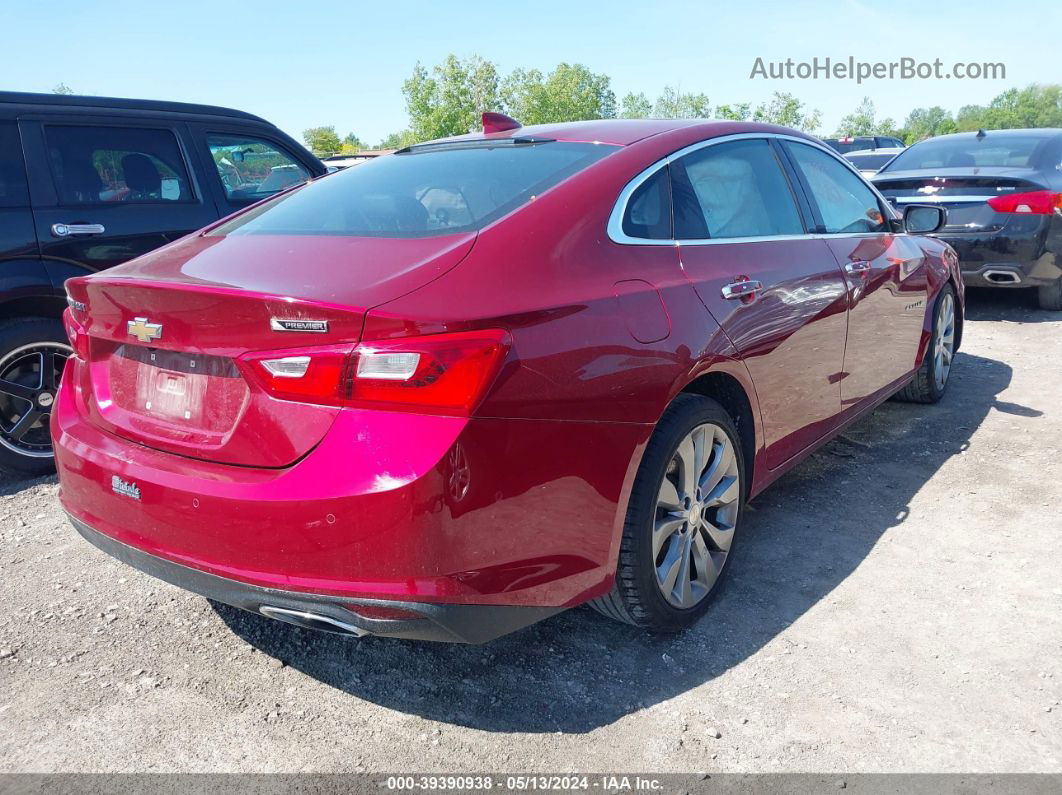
[1025, 256]
[438, 622]
[394, 508]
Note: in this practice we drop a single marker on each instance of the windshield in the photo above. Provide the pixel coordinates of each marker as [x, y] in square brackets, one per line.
[435, 190]
[1011, 151]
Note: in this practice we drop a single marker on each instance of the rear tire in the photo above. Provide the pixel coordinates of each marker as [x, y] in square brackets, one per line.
[1050, 296]
[33, 351]
[684, 510]
[931, 381]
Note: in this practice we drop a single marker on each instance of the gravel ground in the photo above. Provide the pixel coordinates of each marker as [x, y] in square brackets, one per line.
[895, 605]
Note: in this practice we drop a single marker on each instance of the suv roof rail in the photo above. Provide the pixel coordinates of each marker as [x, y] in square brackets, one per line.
[28, 98]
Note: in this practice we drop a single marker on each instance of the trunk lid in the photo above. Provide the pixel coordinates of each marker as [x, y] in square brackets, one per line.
[166, 333]
[964, 192]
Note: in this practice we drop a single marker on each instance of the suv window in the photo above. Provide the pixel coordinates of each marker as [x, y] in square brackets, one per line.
[252, 169]
[733, 189]
[93, 165]
[434, 189]
[648, 214]
[845, 202]
[13, 192]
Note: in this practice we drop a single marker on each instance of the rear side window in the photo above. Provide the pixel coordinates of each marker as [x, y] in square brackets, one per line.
[734, 189]
[13, 192]
[251, 168]
[648, 214]
[846, 204]
[101, 165]
[434, 190]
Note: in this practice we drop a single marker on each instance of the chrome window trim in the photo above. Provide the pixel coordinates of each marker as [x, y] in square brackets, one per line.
[619, 209]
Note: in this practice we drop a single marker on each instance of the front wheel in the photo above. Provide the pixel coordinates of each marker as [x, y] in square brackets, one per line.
[684, 511]
[33, 352]
[931, 380]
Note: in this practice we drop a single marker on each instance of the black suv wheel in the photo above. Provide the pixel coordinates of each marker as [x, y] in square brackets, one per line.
[33, 352]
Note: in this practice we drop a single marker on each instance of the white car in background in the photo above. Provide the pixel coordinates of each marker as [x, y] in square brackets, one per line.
[871, 161]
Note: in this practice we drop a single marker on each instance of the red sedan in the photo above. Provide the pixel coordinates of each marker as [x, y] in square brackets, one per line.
[455, 390]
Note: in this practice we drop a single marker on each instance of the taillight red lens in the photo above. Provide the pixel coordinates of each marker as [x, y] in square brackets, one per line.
[1037, 202]
[77, 335]
[439, 374]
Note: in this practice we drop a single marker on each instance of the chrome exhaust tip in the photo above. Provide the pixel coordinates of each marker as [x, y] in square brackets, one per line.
[315, 621]
[1002, 277]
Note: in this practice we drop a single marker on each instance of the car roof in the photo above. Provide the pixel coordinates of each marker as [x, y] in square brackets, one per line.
[121, 103]
[622, 132]
[1042, 132]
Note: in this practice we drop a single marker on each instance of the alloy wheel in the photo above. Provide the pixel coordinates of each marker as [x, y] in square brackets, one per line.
[944, 343]
[696, 512]
[29, 378]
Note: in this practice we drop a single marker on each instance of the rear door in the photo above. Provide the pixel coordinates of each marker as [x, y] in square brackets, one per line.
[885, 272]
[775, 289]
[105, 191]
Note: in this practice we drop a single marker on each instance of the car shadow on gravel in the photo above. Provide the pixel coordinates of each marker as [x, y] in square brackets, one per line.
[1007, 305]
[579, 671]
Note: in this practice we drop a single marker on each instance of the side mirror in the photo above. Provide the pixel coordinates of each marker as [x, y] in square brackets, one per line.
[922, 219]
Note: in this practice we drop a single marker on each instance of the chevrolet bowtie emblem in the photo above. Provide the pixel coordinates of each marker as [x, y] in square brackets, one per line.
[145, 332]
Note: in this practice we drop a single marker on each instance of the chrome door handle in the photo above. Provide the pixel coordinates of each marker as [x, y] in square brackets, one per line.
[70, 230]
[740, 289]
[857, 267]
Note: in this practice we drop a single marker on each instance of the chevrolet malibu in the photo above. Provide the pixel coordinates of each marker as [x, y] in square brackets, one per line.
[463, 387]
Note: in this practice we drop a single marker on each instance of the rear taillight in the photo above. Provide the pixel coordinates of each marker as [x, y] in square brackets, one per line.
[1037, 202]
[440, 374]
[77, 335]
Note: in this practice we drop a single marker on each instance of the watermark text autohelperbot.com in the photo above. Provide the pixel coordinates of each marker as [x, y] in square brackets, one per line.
[900, 69]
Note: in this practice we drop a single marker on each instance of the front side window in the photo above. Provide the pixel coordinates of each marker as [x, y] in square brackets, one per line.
[423, 191]
[103, 165]
[846, 204]
[735, 189]
[13, 192]
[251, 169]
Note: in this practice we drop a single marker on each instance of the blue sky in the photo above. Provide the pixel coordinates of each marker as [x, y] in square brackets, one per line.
[301, 65]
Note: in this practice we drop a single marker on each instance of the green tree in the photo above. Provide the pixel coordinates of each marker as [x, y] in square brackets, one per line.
[322, 140]
[398, 140]
[636, 106]
[860, 121]
[62, 88]
[787, 111]
[571, 92]
[924, 123]
[1033, 106]
[673, 104]
[353, 141]
[742, 111]
[451, 98]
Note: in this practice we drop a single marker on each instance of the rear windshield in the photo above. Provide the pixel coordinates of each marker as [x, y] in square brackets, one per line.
[423, 192]
[1011, 151]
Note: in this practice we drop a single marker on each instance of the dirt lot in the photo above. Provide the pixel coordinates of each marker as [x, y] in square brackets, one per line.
[896, 605]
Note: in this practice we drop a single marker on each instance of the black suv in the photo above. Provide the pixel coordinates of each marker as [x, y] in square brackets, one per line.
[90, 182]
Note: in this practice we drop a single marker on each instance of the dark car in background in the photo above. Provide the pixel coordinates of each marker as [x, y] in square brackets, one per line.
[91, 182]
[1003, 193]
[857, 143]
